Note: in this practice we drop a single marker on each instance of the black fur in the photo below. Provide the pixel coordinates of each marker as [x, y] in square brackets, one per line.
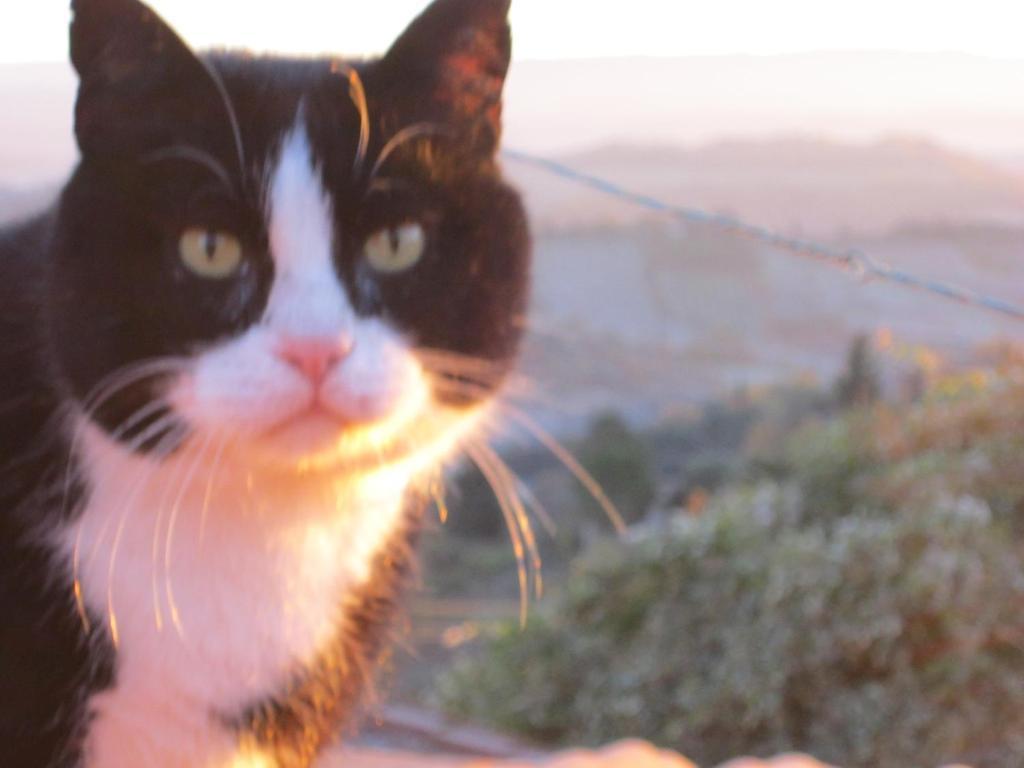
[48, 665]
[96, 285]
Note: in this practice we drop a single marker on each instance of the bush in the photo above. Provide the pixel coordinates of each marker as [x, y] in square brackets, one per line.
[882, 642]
[858, 596]
[622, 466]
[473, 510]
[834, 464]
[859, 384]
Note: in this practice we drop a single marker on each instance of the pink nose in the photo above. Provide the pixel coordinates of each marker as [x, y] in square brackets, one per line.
[313, 357]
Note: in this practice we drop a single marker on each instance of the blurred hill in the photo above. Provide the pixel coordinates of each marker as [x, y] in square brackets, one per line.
[651, 318]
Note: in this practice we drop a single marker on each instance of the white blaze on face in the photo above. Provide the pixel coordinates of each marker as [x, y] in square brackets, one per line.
[250, 387]
[307, 299]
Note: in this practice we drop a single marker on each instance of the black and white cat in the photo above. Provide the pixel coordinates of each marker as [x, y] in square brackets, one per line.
[273, 298]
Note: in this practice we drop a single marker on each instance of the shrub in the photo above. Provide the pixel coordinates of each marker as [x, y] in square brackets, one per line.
[471, 506]
[859, 384]
[621, 464]
[882, 642]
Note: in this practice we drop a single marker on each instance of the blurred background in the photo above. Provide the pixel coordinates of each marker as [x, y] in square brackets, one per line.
[823, 478]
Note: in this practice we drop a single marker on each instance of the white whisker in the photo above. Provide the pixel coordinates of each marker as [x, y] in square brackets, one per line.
[569, 461]
[197, 156]
[172, 604]
[167, 442]
[538, 509]
[511, 523]
[404, 136]
[229, 107]
[208, 495]
[508, 479]
[357, 93]
[133, 421]
[153, 431]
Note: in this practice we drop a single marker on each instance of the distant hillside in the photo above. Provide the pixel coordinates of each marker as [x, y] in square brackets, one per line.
[795, 185]
[649, 318]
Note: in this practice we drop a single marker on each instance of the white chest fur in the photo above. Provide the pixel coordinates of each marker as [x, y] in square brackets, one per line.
[216, 587]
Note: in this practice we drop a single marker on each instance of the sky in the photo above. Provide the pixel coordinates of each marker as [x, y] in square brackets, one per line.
[972, 103]
[35, 30]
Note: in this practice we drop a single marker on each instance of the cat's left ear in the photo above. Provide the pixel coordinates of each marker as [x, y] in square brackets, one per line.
[455, 58]
[140, 84]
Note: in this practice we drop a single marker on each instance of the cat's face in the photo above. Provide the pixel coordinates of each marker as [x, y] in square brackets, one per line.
[314, 261]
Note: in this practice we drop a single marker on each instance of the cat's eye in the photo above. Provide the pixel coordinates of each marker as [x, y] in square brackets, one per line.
[210, 254]
[396, 249]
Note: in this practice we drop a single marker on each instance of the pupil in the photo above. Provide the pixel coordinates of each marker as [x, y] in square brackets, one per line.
[395, 238]
[210, 245]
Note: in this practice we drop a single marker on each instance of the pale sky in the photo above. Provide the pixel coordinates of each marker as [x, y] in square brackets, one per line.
[35, 30]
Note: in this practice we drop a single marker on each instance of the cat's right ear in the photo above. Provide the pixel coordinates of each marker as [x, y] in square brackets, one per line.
[140, 84]
[453, 60]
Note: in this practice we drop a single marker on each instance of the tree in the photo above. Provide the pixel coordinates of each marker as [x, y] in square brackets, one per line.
[621, 463]
[859, 384]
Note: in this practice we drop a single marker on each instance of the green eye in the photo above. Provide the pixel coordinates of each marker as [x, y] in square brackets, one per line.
[210, 254]
[396, 249]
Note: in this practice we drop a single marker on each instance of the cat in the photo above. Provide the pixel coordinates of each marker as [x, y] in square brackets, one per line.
[274, 298]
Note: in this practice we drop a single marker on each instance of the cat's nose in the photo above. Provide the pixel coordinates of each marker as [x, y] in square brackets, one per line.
[313, 357]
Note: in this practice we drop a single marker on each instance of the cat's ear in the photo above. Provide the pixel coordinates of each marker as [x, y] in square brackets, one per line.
[456, 55]
[140, 84]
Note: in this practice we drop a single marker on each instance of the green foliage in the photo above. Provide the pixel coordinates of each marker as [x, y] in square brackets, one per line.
[622, 465]
[859, 384]
[859, 596]
[832, 464]
[883, 642]
[473, 510]
[705, 472]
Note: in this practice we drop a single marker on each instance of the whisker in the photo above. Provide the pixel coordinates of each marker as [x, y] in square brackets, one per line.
[511, 524]
[480, 371]
[123, 377]
[437, 492]
[130, 423]
[172, 482]
[539, 510]
[166, 442]
[151, 432]
[109, 386]
[193, 155]
[381, 184]
[357, 93]
[508, 480]
[207, 497]
[460, 388]
[137, 418]
[459, 364]
[407, 134]
[569, 461]
[172, 604]
[229, 107]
